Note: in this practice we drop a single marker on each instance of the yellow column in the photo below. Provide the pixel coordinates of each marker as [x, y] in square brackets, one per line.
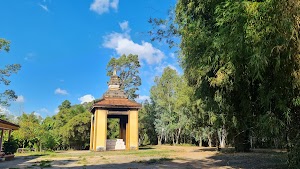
[133, 130]
[92, 133]
[127, 136]
[101, 129]
[95, 131]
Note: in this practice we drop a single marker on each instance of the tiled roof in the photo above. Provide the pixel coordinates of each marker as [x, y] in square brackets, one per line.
[116, 103]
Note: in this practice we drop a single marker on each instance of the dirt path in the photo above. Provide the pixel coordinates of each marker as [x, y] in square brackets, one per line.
[152, 157]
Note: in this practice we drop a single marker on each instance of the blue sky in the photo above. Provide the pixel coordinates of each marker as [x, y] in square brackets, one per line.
[65, 45]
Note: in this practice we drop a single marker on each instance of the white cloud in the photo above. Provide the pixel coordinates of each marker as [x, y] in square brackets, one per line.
[44, 7]
[20, 99]
[4, 110]
[124, 26]
[29, 56]
[173, 67]
[122, 44]
[56, 110]
[43, 110]
[172, 55]
[37, 114]
[86, 98]
[114, 4]
[60, 91]
[102, 6]
[142, 98]
[8, 114]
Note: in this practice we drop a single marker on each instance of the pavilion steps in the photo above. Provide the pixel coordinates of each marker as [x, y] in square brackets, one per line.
[115, 144]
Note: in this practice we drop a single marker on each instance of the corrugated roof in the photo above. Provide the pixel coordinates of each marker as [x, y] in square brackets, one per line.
[8, 125]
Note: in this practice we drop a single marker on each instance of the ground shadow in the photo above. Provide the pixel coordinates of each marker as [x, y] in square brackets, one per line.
[204, 149]
[18, 160]
[31, 162]
[145, 148]
[274, 160]
[148, 164]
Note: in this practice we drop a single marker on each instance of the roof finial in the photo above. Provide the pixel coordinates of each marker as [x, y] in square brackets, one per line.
[115, 71]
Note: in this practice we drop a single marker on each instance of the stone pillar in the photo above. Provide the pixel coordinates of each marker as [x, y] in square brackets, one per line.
[101, 130]
[92, 133]
[133, 130]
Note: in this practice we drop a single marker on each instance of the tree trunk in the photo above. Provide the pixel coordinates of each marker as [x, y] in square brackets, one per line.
[200, 141]
[159, 140]
[223, 143]
[166, 138]
[251, 141]
[209, 141]
[275, 140]
[222, 137]
[40, 147]
[178, 134]
[173, 139]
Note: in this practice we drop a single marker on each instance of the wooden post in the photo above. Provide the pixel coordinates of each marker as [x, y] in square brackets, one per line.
[1, 139]
[9, 133]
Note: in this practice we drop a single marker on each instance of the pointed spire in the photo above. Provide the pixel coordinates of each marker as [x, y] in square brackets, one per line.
[114, 86]
[115, 71]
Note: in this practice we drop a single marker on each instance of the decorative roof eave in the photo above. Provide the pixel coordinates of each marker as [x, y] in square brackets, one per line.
[116, 106]
[6, 125]
[111, 103]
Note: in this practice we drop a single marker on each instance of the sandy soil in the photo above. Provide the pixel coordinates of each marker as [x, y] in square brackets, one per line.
[152, 157]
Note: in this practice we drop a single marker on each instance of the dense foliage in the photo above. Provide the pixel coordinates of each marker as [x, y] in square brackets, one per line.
[242, 60]
[68, 129]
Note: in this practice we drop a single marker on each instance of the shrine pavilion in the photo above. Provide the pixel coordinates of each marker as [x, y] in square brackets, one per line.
[114, 104]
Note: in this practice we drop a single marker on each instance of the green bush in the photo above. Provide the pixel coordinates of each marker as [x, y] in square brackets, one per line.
[10, 146]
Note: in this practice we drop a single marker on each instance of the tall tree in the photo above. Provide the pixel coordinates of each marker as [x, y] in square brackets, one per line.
[147, 132]
[8, 94]
[128, 67]
[76, 132]
[169, 96]
[30, 131]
